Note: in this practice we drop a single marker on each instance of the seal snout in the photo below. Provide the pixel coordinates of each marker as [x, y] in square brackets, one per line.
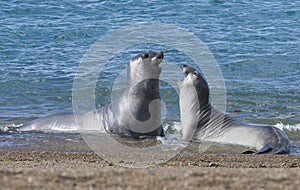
[160, 55]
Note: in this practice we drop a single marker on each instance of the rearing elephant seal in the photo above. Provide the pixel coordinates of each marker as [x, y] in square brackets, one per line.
[137, 113]
[200, 121]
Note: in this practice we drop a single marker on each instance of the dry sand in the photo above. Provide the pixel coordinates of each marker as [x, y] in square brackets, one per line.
[67, 170]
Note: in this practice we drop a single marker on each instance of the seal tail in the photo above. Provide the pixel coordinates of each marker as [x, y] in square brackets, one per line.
[279, 146]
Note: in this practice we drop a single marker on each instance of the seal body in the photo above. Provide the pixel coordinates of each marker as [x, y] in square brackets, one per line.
[201, 121]
[137, 113]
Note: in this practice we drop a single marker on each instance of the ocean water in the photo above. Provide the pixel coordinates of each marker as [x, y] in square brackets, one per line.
[255, 43]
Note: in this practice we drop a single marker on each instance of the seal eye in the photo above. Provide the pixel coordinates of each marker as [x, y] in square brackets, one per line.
[186, 72]
[146, 55]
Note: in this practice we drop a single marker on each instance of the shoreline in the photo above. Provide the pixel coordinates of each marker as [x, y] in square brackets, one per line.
[78, 170]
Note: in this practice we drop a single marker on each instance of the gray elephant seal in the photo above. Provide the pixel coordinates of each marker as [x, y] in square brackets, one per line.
[200, 121]
[137, 113]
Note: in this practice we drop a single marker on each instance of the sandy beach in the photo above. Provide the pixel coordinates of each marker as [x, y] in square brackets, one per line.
[69, 170]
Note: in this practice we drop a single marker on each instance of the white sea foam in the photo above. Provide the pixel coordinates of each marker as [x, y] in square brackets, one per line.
[63, 128]
[177, 126]
[288, 126]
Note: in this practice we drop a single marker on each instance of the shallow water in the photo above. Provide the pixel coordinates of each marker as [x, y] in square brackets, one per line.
[255, 43]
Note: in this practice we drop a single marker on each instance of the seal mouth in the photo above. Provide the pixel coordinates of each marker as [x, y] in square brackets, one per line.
[185, 70]
[159, 56]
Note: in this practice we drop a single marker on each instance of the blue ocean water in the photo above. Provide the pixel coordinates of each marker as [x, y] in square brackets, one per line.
[256, 44]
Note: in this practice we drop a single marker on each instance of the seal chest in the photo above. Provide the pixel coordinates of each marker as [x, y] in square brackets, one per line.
[140, 103]
[189, 117]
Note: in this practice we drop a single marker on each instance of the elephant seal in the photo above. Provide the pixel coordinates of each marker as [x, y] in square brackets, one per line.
[137, 113]
[201, 121]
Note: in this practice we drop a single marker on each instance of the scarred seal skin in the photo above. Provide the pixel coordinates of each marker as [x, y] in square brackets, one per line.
[200, 121]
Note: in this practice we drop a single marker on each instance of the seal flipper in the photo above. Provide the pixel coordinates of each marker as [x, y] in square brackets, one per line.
[273, 150]
[264, 150]
[267, 149]
[248, 152]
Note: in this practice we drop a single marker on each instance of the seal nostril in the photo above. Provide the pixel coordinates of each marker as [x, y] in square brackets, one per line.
[160, 55]
[184, 65]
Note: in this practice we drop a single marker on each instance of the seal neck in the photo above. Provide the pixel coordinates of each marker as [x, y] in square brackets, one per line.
[212, 119]
[140, 96]
[205, 114]
[205, 107]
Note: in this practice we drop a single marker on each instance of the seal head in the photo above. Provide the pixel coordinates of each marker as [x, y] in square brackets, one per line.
[193, 79]
[144, 66]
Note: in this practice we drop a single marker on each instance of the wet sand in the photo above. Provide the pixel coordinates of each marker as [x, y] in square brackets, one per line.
[69, 170]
